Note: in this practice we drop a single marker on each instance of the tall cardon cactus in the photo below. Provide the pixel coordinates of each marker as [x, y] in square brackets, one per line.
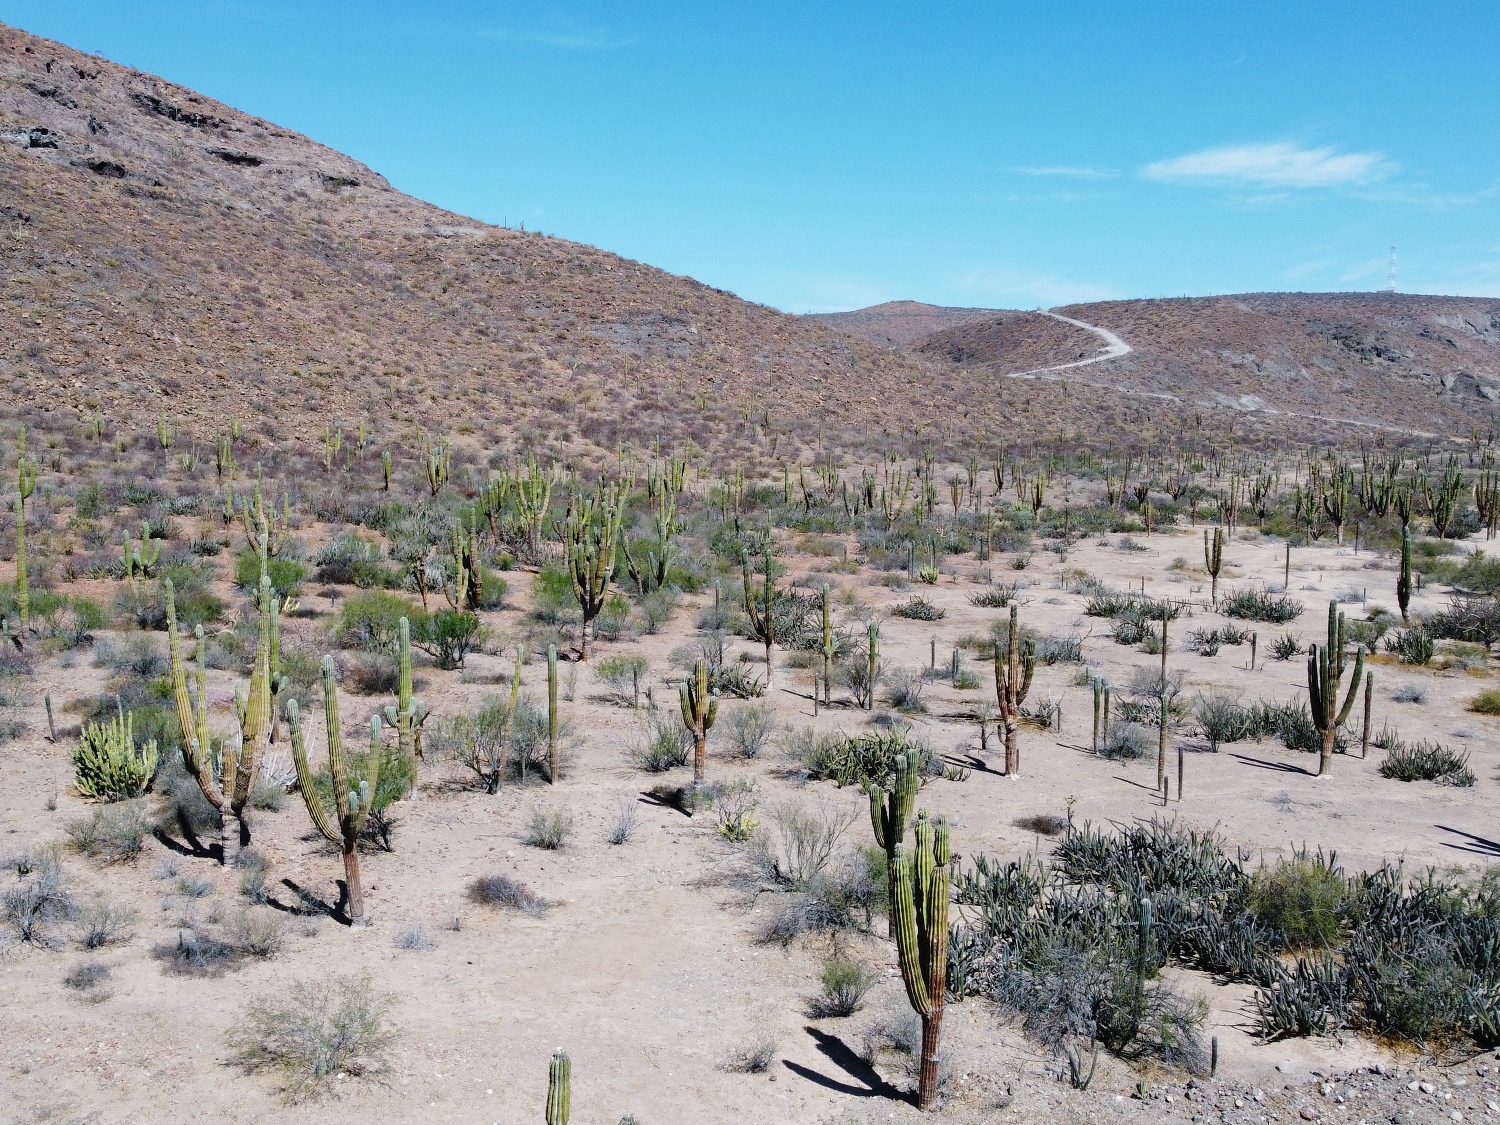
[351, 804]
[700, 708]
[591, 534]
[1403, 580]
[760, 607]
[228, 787]
[559, 1088]
[25, 486]
[1213, 560]
[890, 815]
[919, 908]
[1325, 668]
[407, 715]
[1013, 672]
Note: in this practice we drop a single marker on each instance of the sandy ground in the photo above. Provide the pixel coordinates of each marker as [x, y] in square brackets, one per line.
[645, 970]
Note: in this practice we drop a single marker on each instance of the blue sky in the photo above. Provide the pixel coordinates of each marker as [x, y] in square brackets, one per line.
[827, 156]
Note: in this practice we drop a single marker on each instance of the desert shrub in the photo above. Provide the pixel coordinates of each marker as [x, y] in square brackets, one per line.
[750, 728]
[100, 923]
[657, 608]
[32, 909]
[1059, 648]
[88, 978]
[1411, 646]
[1486, 702]
[613, 618]
[253, 867]
[319, 1029]
[1127, 741]
[1480, 574]
[861, 759]
[755, 1058]
[255, 933]
[506, 893]
[369, 621]
[447, 636]
[1306, 899]
[1043, 824]
[917, 608]
[734, 804]
[1222, 718]
[1250, 604]
[398, 776]
[115, 834]
[1427, 761]
[552, 600]
[1467, 618]
[352, 560]
[623, 675]
[549, 829]
[797, 843]
[1286, 646]
[413, 936]
[1416, 693]
[627, 820]
[845, 985]
[663, 742]
[371, 673]
[136, 654]
[286, 574]
[998, 596]
[109, 766]
[904, 690]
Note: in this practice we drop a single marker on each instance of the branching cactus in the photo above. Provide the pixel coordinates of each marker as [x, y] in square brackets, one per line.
[1213, 560]
[827, 649]
[700, 707]
[140, 562]
[559, 1088]
[1013, 671]
[1325, 668]
[761, 607]
[1403, 581]
[919, 908]
[228, 788]
[260, 520]
[466, 591]
[591, 535]
[890, 815]
[407, 715]
[533, 496]
[351, 802]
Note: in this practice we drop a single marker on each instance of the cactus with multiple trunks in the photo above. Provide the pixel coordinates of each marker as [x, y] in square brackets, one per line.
[1213, 560]
[890, 814]
[1013, 671]
[106, 764]
[351, 805]
[140, 562]
[1325, 668]
[700, 707]
[760, 607]
[407, 715]
[229, 791]
[591, 535]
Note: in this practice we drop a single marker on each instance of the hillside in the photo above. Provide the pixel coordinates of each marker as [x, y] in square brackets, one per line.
[1346, 362]
[165, 252]
[898, 323]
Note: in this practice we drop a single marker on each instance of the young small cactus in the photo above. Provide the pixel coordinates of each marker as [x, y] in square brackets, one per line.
[1403, 581]
[352, 805]
[407, 715]
[559, 1088]
[554, 767]
[1013, 672]
[1325, 668]
[1213, 560]
[700, 708]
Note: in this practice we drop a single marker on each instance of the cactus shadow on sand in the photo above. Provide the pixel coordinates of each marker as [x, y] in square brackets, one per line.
[836, 1051]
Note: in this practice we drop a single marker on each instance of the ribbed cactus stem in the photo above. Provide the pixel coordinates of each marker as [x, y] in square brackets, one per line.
[554, 767]
[827, 644]
[700, 708]
[23, 593]
[1403, 581]
[1325, 669]
[874, 667]
[1013, 672]
[890, 814]
[559, 1088]
[919, 913]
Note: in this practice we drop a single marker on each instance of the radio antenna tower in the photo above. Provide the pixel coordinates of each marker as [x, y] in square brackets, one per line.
[1390, 277]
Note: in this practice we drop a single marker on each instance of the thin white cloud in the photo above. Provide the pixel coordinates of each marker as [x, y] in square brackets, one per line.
[1271, 165]
[1020, 289]
[581, 41]
[1070, 170]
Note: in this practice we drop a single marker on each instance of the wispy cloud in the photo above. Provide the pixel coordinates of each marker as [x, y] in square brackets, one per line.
[1071, 171]
[1272, 165]
[1010, 288]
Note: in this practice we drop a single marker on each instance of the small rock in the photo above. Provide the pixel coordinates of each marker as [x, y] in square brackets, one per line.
[1455, 1116]
[1308, 1113]
[1239, 1103]
[1325, 1089]
[1412, 1085]
[1286, 1066]
[1426, 1087]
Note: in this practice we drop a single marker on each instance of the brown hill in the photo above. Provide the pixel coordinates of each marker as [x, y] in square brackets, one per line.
[899, 323]
[1335, 363]
[165, 252]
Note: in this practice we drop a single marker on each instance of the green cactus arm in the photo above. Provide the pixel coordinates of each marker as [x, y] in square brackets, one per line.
[1028, 669]
[305, 786]
[371, 781]
[712, 714]
[877, 813]
[683, 693]
[904, 794]
[256, 724]
[904, 917]
[403, 649]
[1315, 688]
[1359, 669]
[559, 1088]
[337, 764]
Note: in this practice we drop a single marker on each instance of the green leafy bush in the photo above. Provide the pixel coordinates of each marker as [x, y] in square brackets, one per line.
[369, 621]
[286, 575]
[1306, 899]
[108, 765]
[1427, 761]
[1250, 604]
[447, 636]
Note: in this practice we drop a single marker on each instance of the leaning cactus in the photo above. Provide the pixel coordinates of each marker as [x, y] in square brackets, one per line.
[760, 607]
[351, 805]
[107, 766]
[559, 1088]
[1325, 668]
[919, 909]
[700, 708]
[407, 715]
[228, 787]
[1013, 672]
